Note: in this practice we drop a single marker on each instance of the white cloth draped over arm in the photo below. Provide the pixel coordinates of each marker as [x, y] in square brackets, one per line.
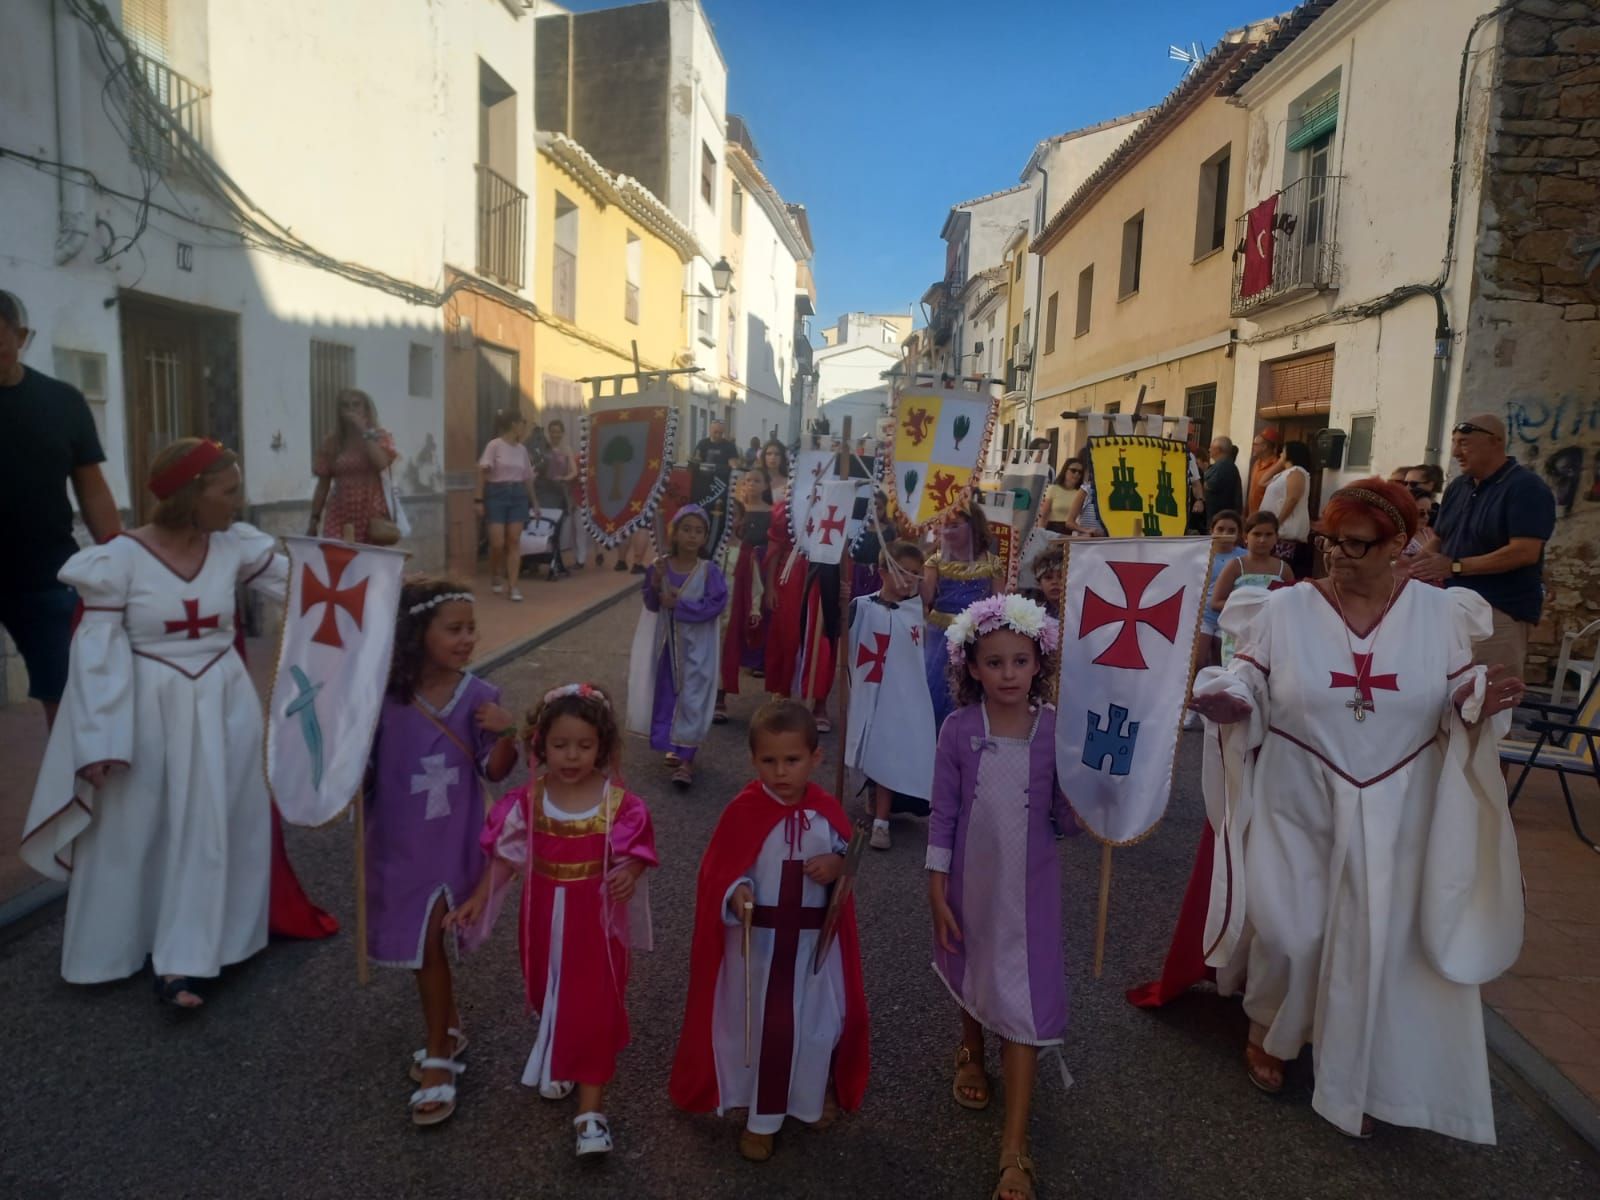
[1227, 772]
[96, 721]
[261, 567]
[1470, 906]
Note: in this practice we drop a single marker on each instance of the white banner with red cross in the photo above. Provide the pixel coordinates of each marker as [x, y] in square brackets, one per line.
[1130, 622]
[330, 675]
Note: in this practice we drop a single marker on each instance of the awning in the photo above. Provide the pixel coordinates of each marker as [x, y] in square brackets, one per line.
[1321, 118]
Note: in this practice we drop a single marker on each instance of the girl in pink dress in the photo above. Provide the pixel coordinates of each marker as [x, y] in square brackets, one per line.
[581, 842]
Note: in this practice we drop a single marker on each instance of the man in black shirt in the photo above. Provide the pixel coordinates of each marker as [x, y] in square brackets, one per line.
[49, 439]
[1489, 535]
[717, 450]
[1223, 489]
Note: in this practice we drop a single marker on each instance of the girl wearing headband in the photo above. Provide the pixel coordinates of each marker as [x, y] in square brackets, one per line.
[581, 843]
[672, 674]
[440, 731]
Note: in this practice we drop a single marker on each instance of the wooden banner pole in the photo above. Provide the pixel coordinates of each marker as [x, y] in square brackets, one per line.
[1105, 901]
[842, 649]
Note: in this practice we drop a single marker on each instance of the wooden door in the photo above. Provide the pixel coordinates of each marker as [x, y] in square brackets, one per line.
[161, 384]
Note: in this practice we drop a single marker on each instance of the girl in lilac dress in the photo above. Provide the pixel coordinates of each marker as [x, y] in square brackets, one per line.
[994, 878]
[440, 729]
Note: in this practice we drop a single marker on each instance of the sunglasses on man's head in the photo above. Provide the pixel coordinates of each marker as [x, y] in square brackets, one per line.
[1467, 427]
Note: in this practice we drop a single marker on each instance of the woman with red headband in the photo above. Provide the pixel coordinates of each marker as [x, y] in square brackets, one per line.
[151, 800]
[1365, 875]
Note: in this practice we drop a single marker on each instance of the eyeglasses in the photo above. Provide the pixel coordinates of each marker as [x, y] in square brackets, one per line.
[1074, 470]
[1466, 427]
[1349, 547]
[1419, 489]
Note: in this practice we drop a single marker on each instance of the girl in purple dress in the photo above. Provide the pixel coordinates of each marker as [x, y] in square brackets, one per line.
[963, 570]
[994, 879]
[672, 671]
[439, 731]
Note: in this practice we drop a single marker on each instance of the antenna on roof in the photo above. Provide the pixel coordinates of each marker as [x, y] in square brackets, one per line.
[1192, 56]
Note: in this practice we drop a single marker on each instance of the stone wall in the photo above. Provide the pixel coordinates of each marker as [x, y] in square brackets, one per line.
[1532, 338]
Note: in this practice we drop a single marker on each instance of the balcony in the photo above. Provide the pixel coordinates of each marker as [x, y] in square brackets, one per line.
[1305, 248]
[502, 228]
[171, 103]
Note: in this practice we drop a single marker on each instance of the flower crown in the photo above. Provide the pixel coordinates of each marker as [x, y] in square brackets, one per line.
[441, 598]
[585, 690]
[1013, 612]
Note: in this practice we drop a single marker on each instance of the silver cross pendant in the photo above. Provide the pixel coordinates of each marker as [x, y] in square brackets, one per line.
[1359, 707]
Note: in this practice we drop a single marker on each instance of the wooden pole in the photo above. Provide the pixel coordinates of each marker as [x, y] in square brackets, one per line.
[842, 650]
[1105, 901]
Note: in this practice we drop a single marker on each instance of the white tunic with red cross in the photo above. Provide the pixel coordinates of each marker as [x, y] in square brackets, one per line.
[171, 857]
[891, 736]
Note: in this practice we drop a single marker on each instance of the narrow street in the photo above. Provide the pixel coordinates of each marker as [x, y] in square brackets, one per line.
[292, 1081]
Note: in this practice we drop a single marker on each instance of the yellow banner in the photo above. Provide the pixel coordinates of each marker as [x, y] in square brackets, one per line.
[1141, 485]
[939, 440]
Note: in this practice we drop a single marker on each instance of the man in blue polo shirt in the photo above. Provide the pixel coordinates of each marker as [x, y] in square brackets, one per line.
[1489, 535]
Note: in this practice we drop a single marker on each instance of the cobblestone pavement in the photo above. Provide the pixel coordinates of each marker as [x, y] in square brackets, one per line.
[292, 1082]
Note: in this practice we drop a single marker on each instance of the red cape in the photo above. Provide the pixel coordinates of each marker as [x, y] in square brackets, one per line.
[735, 844]
[1186, 959]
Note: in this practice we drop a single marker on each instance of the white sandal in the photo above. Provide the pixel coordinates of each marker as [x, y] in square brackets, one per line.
[415, 1069]
[441, 1094]
[594, 1134]
[556, 1089]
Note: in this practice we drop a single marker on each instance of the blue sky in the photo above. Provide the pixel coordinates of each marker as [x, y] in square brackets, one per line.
[878, 115]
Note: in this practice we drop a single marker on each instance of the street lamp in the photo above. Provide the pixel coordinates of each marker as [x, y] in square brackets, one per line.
[722, 276]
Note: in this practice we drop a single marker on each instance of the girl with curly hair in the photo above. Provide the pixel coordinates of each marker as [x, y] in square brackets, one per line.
[581, 842]
[996, 800]
[440, 729]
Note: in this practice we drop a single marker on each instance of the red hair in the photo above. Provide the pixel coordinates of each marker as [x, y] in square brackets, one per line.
[1388, 506]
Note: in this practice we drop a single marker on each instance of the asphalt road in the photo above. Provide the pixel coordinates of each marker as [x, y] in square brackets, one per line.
[292, 1083]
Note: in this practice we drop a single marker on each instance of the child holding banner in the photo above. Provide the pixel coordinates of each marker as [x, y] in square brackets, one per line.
[440, 729]
[997, 934]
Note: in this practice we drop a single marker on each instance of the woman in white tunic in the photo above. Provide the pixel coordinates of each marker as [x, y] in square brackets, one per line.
[151, 799]
[1366, 871]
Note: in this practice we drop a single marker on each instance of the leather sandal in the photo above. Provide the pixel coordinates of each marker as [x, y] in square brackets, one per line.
[1014, 1165]
[1257, 1062]
[970, 1075]
[756, 1147]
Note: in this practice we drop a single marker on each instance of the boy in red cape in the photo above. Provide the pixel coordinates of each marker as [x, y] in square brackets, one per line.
[766, 1033]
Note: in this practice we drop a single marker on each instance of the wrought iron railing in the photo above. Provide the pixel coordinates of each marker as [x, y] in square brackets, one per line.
[1304, 245]
[502, 228]
[179, 104]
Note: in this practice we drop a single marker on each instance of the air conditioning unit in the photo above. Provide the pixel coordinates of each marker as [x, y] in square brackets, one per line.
[1022, 356]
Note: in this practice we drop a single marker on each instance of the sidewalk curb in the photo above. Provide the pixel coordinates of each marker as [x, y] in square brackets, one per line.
[1541, 1082]
[499, 658]
[16, 912]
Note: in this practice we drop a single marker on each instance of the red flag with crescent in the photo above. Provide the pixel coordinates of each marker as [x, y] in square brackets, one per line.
[1257, 276]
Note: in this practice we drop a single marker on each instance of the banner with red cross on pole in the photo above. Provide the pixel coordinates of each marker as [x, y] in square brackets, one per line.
[1130, 623]
[330, 675]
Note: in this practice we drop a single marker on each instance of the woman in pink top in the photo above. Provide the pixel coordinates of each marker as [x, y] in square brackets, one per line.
[505, 496]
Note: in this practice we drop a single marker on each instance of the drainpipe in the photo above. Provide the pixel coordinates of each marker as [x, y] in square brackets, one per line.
[1038, 306]
[72, 229]
[1439, 396]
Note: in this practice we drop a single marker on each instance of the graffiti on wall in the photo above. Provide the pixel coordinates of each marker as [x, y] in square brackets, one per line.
[1560, 438]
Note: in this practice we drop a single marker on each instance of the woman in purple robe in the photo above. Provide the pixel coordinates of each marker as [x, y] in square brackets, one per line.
[959, 573]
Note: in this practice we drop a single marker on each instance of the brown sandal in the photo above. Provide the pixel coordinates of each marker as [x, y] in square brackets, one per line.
[757, 1147]
[830, 1111]
[966, 1069]
[1259, 1065]
[1016, 1164]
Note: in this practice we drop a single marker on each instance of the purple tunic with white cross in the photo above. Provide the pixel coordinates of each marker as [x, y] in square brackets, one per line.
[424, 814]
[991, 831]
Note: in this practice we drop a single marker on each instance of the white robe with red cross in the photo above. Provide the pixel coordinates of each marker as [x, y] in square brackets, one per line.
[891, 736]
[1366, 870]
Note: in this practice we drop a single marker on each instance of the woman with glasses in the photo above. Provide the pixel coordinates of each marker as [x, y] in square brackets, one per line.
[1063, 500]
[1365, 879]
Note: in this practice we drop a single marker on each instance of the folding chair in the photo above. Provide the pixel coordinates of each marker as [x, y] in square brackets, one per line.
[1568, 744]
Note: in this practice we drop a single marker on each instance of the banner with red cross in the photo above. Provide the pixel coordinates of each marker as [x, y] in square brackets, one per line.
[1130, 623]
[331, 671]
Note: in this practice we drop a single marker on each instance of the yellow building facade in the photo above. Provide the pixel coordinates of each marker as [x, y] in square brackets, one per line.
[1136, 269]
[609, 268]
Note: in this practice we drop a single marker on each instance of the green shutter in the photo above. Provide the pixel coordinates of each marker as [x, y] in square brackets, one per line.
[1315, 122]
